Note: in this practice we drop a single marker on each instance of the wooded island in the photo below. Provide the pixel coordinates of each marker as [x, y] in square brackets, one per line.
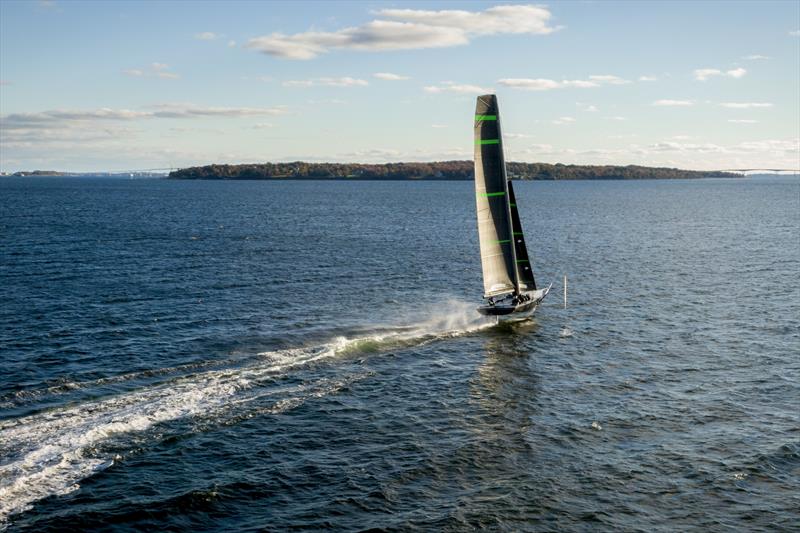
[437, 170]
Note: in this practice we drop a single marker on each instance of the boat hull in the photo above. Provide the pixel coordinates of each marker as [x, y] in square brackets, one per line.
[520, 309]
[500, 310]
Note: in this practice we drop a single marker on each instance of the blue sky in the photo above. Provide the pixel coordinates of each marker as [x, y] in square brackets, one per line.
[136, 85]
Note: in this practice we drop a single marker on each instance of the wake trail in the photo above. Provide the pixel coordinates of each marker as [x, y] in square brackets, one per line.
[48, 453]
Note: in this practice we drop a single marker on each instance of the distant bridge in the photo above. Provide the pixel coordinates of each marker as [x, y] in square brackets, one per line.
[745, 170]
[140, 170]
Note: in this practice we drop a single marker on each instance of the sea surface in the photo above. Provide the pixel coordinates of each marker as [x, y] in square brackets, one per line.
[209, 356]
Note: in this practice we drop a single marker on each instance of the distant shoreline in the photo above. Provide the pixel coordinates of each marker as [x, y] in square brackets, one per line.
[430, 171]
[433, 171]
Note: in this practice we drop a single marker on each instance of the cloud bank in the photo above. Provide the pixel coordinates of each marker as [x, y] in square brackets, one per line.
[60, 118]
[544, 84]
[451, 87]
[408, 29]
[345, 81]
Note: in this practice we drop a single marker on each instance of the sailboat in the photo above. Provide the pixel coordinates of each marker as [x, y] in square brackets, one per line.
[508, 282]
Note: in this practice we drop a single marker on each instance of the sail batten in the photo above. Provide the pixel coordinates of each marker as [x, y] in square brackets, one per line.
[498, 253]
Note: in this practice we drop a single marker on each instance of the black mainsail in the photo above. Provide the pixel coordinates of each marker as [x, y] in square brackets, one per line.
[522, 261]
[494, 215]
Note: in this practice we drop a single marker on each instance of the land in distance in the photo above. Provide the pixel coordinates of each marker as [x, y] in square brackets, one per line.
[437, 170]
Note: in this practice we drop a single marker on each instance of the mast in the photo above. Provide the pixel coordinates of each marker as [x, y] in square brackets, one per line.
[507, 201]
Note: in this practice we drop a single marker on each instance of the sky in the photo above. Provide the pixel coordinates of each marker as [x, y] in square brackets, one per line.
[114, 86]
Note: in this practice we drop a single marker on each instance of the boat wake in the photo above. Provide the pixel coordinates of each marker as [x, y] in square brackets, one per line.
[50, 452]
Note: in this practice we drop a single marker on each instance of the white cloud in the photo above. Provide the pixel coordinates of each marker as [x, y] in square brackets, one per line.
[795, 33]
[673, 103]
[769, 153]
[194, 111]
[231, 43]
[298, 83]
[438, 126]
[538, 84]
[537, 150]
[383, 155]
[768, 146]
[703, 74]
[564, 121]
[590, 108]
[456, 88]
[409, 29]
[581, 84]
[61, 118]
[746, 105]
[544, 84]
[380, 154]
[155, 70]
[388, 76]
[54, 118]
[62, 136]
[669, 146]
[617, 118]
[754, 57]
[609, 79]
[205, 36]
[495, 20]
[742, 121]
[345, 81]
[647, 78]
[775, 146]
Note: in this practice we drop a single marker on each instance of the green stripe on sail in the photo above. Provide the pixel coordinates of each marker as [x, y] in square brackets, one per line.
[513, 205]
[492, 193]
[503, 242]
[522, 261]
[518, 233]
[485, 117]
[488, 141]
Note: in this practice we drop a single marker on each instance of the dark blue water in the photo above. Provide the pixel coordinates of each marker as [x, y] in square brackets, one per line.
[267, 356]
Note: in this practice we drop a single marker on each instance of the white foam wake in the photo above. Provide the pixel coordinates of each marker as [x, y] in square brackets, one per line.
[49, 453]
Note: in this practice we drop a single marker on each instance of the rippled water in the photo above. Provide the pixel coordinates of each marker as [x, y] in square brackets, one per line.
[266, 355]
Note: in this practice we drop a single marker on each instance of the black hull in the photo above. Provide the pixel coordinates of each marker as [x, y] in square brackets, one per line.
[500, 310]
[506, 307]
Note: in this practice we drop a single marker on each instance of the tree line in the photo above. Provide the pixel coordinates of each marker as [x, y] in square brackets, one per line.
[437, 170]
